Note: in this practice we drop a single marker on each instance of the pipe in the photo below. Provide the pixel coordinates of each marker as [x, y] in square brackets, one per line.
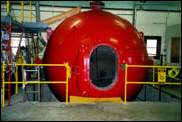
[134, 13]
[22, 6]
[30, 11]
[42, 40]
[120, 9]
[7, 7]
[37, 8]
[165, 4]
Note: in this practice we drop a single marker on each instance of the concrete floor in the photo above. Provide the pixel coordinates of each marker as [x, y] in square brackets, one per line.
[133, 111]
[57, 111]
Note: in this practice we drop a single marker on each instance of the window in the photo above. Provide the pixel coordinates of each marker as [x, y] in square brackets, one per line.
[153, 45]
[15, 40]
[103, 67]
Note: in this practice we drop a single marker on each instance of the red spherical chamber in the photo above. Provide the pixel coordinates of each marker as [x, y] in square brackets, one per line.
[96, 44]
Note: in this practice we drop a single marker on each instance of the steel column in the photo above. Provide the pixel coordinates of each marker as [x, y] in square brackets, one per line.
[134, 13]
[37, 6]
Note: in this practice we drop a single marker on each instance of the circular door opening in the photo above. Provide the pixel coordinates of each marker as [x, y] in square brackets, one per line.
[103, 67]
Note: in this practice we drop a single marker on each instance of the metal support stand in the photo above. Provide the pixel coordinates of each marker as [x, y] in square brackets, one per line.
[161, 59]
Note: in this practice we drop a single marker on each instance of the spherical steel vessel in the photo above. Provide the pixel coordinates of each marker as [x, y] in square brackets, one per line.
[96, 44]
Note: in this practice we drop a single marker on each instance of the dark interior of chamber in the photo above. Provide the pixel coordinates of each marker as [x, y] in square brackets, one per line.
[103, 66]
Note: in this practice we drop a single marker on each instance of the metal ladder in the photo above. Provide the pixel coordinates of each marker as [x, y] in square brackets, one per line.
[31, 92]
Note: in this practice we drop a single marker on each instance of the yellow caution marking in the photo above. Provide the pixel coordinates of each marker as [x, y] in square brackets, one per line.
[162, 75]
[77, 99]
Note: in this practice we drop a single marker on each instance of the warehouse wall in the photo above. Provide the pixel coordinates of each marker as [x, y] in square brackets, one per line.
[173, 31]
[156, 23]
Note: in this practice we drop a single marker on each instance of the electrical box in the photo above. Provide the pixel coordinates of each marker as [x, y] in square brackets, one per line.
[162, 75]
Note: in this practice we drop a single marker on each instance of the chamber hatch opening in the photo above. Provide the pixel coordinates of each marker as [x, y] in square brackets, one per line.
[103, 67]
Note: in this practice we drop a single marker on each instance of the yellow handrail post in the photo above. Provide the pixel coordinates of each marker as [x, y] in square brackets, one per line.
[153, 72]
[7, 7]
[67, 76]
[153, 75]
[30, 11]
[22, 6]
[3, 87]
[16, 79]
[125, 97]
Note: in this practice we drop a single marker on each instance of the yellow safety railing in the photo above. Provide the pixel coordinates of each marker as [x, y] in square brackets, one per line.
[146, 66]
[164, 62]
[170, 75]
[7, 7]
[22, 11]
[68, 75]
[30, 11]
[154, 72]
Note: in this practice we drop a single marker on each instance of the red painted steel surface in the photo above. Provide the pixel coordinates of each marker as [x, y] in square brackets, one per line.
[74, 40]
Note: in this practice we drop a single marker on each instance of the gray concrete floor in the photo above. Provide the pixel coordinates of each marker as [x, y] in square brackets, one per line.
[133, 111]
[57, 111]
